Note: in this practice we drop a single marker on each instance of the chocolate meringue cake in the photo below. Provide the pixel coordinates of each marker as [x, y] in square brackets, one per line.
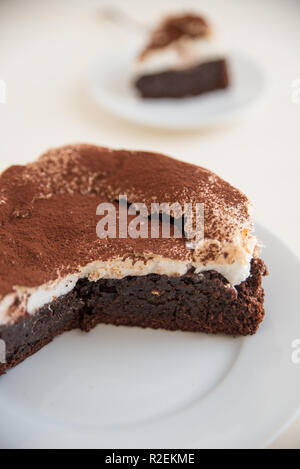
[57, 274]
[182, 58]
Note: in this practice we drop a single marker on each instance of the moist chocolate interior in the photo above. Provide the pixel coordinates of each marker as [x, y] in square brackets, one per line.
[192, 81]
[192, 302]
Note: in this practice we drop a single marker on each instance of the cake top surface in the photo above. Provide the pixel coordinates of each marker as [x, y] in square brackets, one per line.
[174, 28]
[48, 211]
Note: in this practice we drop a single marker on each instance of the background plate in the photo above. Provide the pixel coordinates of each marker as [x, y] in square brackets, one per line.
[111, 87]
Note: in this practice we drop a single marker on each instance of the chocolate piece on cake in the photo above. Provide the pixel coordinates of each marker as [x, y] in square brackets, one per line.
[181, 59]
[56, 274]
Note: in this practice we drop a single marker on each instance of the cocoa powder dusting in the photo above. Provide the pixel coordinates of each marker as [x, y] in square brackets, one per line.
[175, 27]
[48, 209]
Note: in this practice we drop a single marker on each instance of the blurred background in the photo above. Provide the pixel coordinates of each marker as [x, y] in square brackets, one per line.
[48, 49]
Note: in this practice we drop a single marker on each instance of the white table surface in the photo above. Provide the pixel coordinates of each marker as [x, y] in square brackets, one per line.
[48, 49]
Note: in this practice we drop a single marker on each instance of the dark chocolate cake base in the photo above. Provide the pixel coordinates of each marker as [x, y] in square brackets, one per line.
[193, 302]
[193, 81]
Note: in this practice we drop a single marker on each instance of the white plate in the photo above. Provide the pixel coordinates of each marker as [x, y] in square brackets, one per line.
[111, 87]
[129, 387]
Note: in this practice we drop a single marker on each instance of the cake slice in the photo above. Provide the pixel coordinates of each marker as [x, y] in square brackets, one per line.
[181, 59]
[59, 272]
